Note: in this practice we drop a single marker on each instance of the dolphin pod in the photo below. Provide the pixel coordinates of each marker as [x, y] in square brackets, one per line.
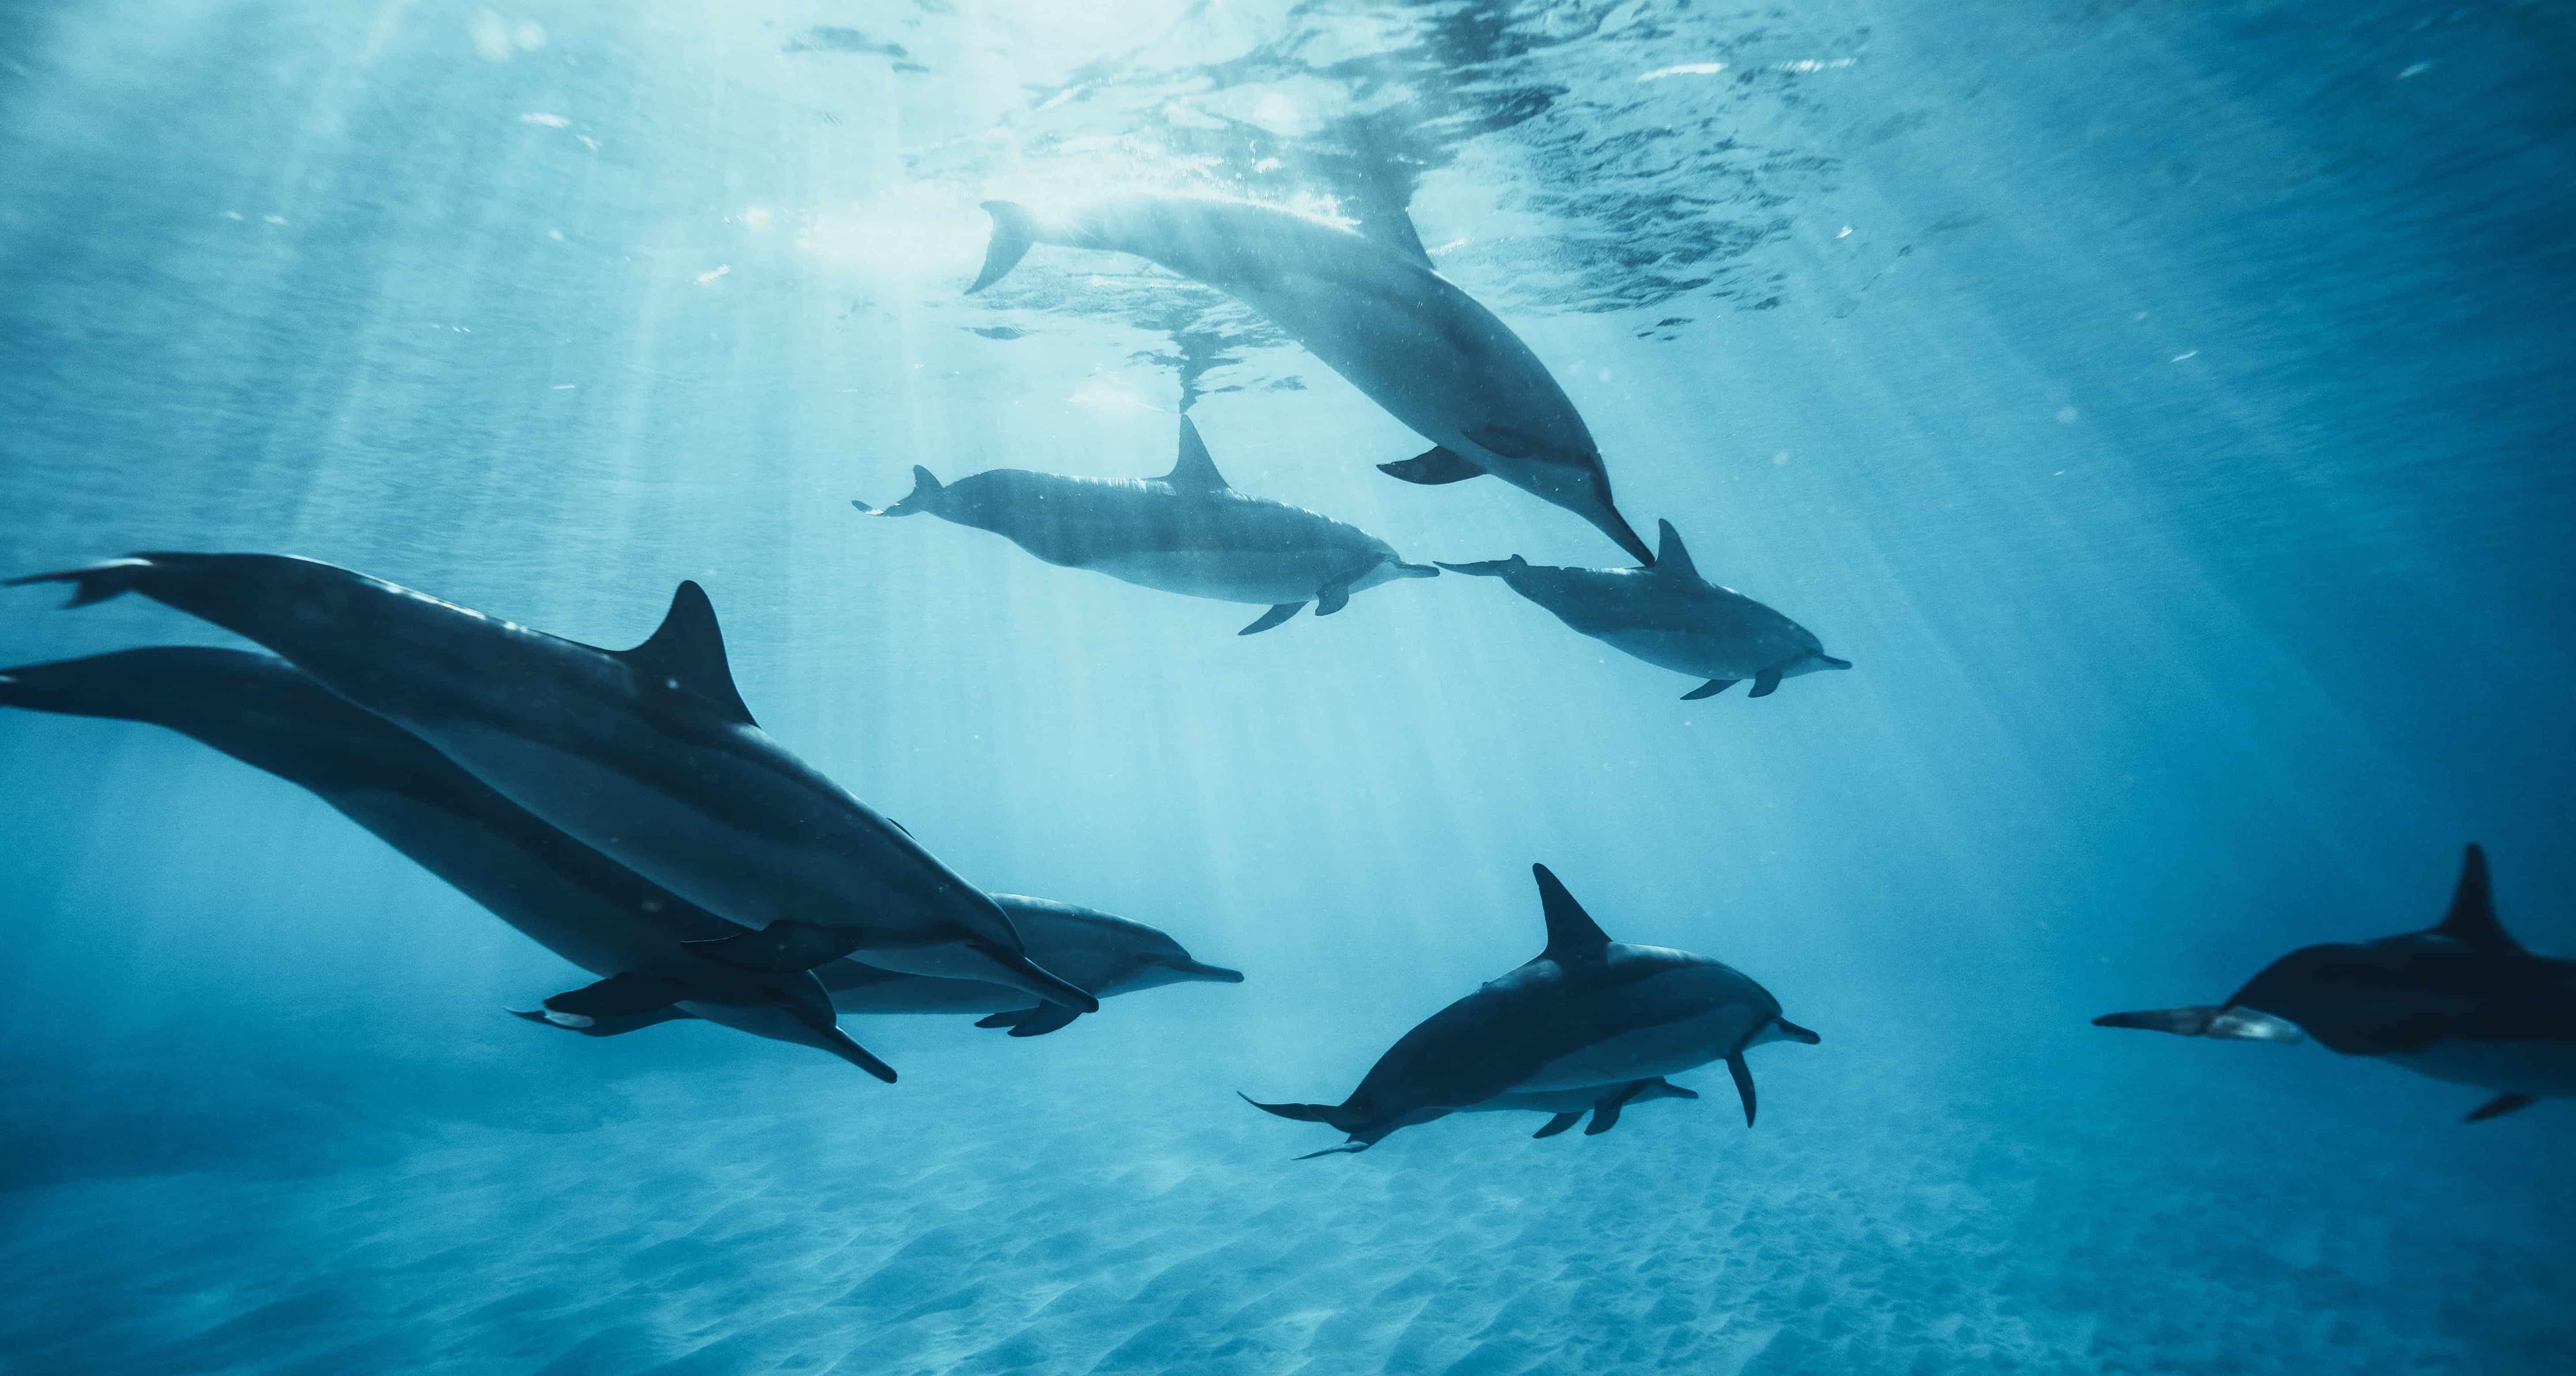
[2460, 1001]
[1376, 312]
[1591, 1016]
[647, 754]
[1186, 532]
[571, 899]
[1670, 617]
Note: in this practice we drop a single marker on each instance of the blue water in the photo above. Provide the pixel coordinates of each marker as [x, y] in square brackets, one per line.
[2165, 407]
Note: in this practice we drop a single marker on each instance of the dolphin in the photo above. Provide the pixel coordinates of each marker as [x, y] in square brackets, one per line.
[1186, 532]
[571, 899]
[2460, 1001]
[1670, 617]
[1585, 1014]
[1567, 1106]
[1377, 313]
[647, 754]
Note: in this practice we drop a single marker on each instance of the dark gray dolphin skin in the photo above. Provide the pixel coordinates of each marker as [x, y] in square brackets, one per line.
[578, 903]
[2459, 1001]
[571, 899]
[1186, 532]
[647, 754]
[1670, 617]
[1586, 1014]
[1566, 1107]
[1375, 311]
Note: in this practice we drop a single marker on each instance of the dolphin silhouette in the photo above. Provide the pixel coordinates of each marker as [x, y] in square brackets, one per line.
[1670, 617]
[1377, 313]
[1566, 1107]
[1186, 532]
[646, 754]
[1586, 1013]
[2460, 1001]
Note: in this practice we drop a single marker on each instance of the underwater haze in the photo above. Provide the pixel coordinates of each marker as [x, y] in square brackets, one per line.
[2164, 407]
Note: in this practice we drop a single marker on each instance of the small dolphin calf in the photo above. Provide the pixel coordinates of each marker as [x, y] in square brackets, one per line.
[1567, 1106]
[2460, 1001]
[647, 754]
[1104, 954]
[1375, 311]
[1588, 1014]
[576, 902]
[1670, 617]
[1187, 532]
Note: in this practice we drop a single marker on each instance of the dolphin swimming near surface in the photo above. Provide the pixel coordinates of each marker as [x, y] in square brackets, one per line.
[1374, 310]
[1585, 1014]
[647, 754]
[1670, 617]
[2460, 1001]
[1566, 1107]
[571, 899]
[1186, 532]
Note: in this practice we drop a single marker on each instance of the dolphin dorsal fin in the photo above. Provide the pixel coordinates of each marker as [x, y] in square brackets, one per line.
[1670, 557]
[1391, 227]
[2472, 918]
[1194, 471]
[1571, 932]
[687, 652]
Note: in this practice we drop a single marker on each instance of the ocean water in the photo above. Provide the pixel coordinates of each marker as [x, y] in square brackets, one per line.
[2166, 407]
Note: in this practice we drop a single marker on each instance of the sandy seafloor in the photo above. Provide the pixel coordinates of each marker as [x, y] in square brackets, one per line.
[770, 1216]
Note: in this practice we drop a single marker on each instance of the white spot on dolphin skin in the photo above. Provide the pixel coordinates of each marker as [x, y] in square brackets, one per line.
[549, 121]
[1685, 69]
[720, 270]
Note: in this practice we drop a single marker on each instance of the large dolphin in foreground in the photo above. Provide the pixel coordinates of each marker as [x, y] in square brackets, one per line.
[2460, 1001]
[1377, 313]
[1587, 1013]
[1186, 532]
[647, 754]
[1670, 617]
[571, 899]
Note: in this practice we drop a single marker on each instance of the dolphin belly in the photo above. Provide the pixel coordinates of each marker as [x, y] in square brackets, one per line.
[1690, 652]
[2546, 1068]
[1645, 1052]
[1261, 577]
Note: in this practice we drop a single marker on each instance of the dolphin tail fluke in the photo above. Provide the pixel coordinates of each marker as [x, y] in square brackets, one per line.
[1032, 1022]
[1617, 528]
[1710, 689]
[1557, 1124]
[2223, 1022]
[1488, 568]
[2498, 1107]
[1015, 231]
[94, 582]
[1743, 1074]
[1432, 467]
[1335, 1115]
[1026, 975]
[926, 489]
[1276, 616]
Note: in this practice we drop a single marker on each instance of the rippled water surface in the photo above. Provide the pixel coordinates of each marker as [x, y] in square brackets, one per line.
[2165, 407]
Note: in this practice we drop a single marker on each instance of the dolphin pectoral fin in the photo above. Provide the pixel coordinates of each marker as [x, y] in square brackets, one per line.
[841, 1044]
[2499, 1106]
[1273, 617]
[1031, 1022]
[1765, 683]
[782, 947]
[600, 1027]
[1710, 689]
[1605, 1114]
[1557, 1124]
[1015, 230]
[1504, 440]
[1332, 597]
[618, 996]
[1432, 468]
[1743, 1074]
[1351, 1147]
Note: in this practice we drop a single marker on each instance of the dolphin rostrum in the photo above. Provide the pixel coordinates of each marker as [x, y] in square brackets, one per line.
[1670, 617]
[2460, 1001]
[1186, 532]
[1375, 311]
[1587, 1013]
[647, 754]
[1566, 1107]
[571, 899]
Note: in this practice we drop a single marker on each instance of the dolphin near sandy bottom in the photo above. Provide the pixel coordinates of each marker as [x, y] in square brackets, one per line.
[569, 898]
[1186, 532]
[1670, 617]
[2460, 1001]
[1587, 1012]
[1566, 1107]
[1373, 308]
[647, 754]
